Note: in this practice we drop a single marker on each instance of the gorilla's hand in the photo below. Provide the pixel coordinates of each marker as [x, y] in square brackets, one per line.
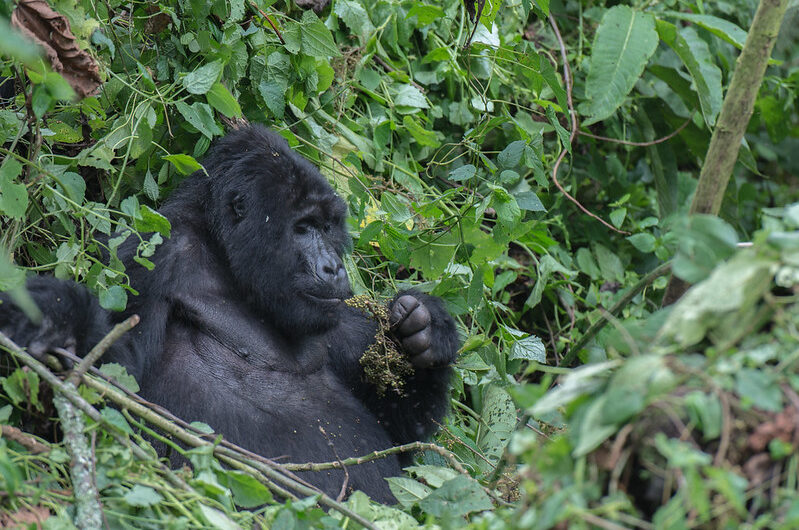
[71, 318]
[412, 324]
[38, 339]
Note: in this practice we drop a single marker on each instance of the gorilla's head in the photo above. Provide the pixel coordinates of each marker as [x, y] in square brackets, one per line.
[280, 227]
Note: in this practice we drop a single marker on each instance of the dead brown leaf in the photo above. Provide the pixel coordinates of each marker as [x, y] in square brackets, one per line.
[50, 30]
[784, 426]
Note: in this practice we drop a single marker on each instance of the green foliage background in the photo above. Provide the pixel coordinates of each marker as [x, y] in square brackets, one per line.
[445, 152]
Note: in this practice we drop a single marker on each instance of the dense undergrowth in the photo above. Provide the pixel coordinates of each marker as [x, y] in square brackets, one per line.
[454, 147]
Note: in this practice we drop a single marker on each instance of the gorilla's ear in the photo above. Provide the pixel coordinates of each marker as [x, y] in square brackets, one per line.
[237, 206]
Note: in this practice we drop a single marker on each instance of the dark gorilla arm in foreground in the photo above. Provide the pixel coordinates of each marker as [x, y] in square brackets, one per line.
[243, 324]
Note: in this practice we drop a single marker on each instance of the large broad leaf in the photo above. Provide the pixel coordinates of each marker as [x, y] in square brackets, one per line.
[732, 288]
[457, 497]
[719, 27]
[499, 416]
[624, 42]
[695, 54]
[202, 79]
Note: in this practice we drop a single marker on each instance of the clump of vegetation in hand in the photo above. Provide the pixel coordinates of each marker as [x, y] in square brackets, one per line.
[383, 363]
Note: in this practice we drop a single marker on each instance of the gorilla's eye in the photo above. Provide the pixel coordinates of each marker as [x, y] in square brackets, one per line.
[326, 227]
[301, 228]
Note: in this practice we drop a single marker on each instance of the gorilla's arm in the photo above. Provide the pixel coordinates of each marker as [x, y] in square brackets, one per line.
[431, 348]
[71, 319]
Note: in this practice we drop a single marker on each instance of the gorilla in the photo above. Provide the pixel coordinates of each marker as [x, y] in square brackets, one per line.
[244, 325]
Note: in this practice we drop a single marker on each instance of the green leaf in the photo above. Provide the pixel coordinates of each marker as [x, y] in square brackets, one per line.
[462, 173]
[202, 79]
[695, 54]
[73, 185]
[201, 117]
[704, 241]
[508, 211]
[435, 476]
[149, 220]
[499, 417]
[530, 348]
[121, 375]
[591, 430]
[617, 216]
[410, 96]
[354, 16]
[220, 98]
[758, 388]
[142, 496]
[274, 95]
[316, 39]
[185, 164]
[114, 298]
[562, 133]
[432, 254]
[247, 491]
[425, 13]
[15, 46]
[528, 200]
[457, 497]
[742, 280]
[407, 491]
[419, 133]
[719, 27]
[610, 265]
[115, 418]
[624, 42]
[13, 195]
[512, 154]
[643, 242]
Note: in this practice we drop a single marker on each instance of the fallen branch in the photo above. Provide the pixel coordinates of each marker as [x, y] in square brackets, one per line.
[376, 455]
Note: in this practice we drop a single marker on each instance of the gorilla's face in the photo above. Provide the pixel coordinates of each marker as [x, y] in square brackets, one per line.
[281, 227]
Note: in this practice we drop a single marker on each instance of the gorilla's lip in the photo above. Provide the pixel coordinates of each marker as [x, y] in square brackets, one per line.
[323, 299]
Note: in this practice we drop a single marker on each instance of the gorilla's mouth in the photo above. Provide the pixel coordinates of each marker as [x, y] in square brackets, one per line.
[322, 299]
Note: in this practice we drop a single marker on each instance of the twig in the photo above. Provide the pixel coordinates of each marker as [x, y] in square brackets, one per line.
[375, 455]
[640, 144]
[269, 20]
[726, 427]
[343, 492]
[574, 129]
[26, 440]
[101, 347]
[72, 395]
[382, 62]
[661, 270]
[273, 476]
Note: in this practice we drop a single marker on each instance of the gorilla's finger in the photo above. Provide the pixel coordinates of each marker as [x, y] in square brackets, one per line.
[418, 342]
[416, 321]
[402, 307]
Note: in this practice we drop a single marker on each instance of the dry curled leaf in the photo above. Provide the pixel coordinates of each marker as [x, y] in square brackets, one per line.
[39, 22]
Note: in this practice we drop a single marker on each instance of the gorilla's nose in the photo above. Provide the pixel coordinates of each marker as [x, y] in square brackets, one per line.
[333, 272]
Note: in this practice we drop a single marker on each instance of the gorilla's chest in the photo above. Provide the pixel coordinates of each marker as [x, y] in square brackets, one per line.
[294, 408]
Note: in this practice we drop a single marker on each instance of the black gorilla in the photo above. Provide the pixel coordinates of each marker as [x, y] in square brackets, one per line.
[243, 324]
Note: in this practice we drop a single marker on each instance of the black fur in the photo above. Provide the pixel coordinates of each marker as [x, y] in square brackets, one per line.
[243, 325]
